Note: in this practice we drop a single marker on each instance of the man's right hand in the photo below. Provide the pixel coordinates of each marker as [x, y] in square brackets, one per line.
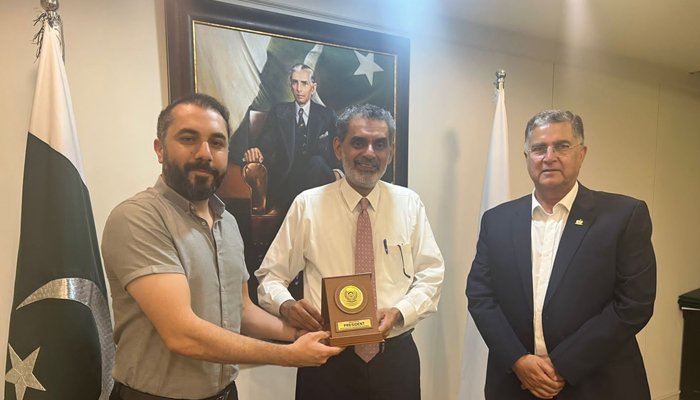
[301, 314]
[538, 376]
[307, 351]
[254, 155]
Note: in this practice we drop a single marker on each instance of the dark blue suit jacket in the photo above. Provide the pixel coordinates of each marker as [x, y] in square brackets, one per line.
[600, 295]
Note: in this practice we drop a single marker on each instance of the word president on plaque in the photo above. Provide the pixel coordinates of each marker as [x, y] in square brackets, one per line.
[358, 225]
[348, 310]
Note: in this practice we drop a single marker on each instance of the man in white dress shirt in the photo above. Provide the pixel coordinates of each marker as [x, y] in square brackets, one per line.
[318, 237]
[563, 280]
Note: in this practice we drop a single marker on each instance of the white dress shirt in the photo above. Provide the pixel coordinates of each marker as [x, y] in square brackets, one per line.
[305, 115]
[318, 237]
[546, 230]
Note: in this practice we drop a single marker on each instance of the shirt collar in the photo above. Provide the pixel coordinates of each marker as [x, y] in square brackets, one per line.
[352, 198]
[216, 205]
[566, 202]
[306, 108]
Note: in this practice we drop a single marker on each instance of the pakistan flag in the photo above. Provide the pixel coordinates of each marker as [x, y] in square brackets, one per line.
[60, 342]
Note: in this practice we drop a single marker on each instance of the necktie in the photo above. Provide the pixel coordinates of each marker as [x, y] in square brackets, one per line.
[364, 262]
[301, 134]
[300, 120]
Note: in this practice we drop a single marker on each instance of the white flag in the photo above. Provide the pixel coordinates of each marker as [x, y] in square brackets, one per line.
[496, 191]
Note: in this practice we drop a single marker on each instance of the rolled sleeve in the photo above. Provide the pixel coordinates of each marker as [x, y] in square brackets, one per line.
[136, 243]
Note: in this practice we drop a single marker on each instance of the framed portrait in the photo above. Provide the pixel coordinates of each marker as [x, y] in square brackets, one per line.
[266, 68]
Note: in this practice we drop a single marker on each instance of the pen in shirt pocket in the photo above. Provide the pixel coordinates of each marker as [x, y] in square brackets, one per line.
[400, 251]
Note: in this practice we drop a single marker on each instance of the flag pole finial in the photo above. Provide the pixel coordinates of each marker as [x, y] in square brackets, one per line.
[51, 16]
[500, 79]
[49, 5]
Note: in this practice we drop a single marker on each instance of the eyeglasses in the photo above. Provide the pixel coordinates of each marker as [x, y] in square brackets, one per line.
[562, 149]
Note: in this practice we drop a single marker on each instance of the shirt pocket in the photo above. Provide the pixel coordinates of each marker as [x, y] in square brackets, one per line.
[399, 265]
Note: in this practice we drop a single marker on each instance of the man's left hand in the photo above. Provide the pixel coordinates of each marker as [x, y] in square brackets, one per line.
[388, 317]
[538, 375]
[557, 375]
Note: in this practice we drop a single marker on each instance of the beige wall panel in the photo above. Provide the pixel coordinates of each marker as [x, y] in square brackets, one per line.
[619, 117]
[266, 382]
[676, 221]
[118, 76]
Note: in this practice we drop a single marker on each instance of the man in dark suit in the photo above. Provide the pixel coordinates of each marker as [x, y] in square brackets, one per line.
[563, 280]
[296, 142]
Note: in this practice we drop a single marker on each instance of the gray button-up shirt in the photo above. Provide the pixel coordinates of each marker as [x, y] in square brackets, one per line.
[158, 231]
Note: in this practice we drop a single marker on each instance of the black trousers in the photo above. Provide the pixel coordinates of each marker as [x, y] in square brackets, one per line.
[391, 375]
[121, 392]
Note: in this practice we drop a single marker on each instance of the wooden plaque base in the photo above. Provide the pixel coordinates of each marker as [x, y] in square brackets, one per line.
[348, 308]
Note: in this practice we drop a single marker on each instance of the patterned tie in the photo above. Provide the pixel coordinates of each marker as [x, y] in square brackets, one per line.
[300, 121]
[364, 263]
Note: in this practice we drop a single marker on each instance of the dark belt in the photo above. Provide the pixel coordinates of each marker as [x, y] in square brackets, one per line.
[394, 341]
[127, 393]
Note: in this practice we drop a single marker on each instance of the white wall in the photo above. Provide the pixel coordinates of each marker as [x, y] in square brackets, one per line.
[642, 129]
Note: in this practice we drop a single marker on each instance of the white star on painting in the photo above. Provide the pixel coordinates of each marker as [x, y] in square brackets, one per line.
[367, 66]
[22, 373]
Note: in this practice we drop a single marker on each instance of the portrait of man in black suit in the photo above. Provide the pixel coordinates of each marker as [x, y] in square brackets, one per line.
[296, 142]
[563, 279]
[265, 80]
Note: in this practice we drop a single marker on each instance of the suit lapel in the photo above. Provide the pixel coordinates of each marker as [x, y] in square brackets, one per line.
[287, 120]
[582, 211]
[314, 124]
[522, 243]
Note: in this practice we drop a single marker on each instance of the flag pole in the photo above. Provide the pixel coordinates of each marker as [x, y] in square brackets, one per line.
[496, 190]
[50, 6]
[500, 79]
[50, 14]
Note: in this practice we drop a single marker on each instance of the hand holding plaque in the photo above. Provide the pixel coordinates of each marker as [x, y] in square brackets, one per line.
[348, 309]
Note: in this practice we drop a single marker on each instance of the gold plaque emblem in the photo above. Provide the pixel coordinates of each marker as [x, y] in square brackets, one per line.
[351, 297]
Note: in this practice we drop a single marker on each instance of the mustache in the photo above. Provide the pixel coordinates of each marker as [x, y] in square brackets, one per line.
[364, 160]
[202, 166]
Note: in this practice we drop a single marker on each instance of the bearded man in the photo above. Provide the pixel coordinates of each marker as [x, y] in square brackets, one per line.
[329, 231]
[174, 260]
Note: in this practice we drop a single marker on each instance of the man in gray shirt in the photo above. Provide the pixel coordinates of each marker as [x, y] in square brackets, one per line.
[174, 260]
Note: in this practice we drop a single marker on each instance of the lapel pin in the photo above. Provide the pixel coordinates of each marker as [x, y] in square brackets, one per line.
[579, 222]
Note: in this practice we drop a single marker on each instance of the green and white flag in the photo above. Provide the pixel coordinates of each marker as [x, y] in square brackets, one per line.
[60, 342]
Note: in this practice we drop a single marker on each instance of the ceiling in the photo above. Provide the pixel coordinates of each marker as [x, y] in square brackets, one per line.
[661, 32]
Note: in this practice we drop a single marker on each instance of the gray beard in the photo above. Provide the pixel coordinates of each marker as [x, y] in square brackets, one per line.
[362, 179]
